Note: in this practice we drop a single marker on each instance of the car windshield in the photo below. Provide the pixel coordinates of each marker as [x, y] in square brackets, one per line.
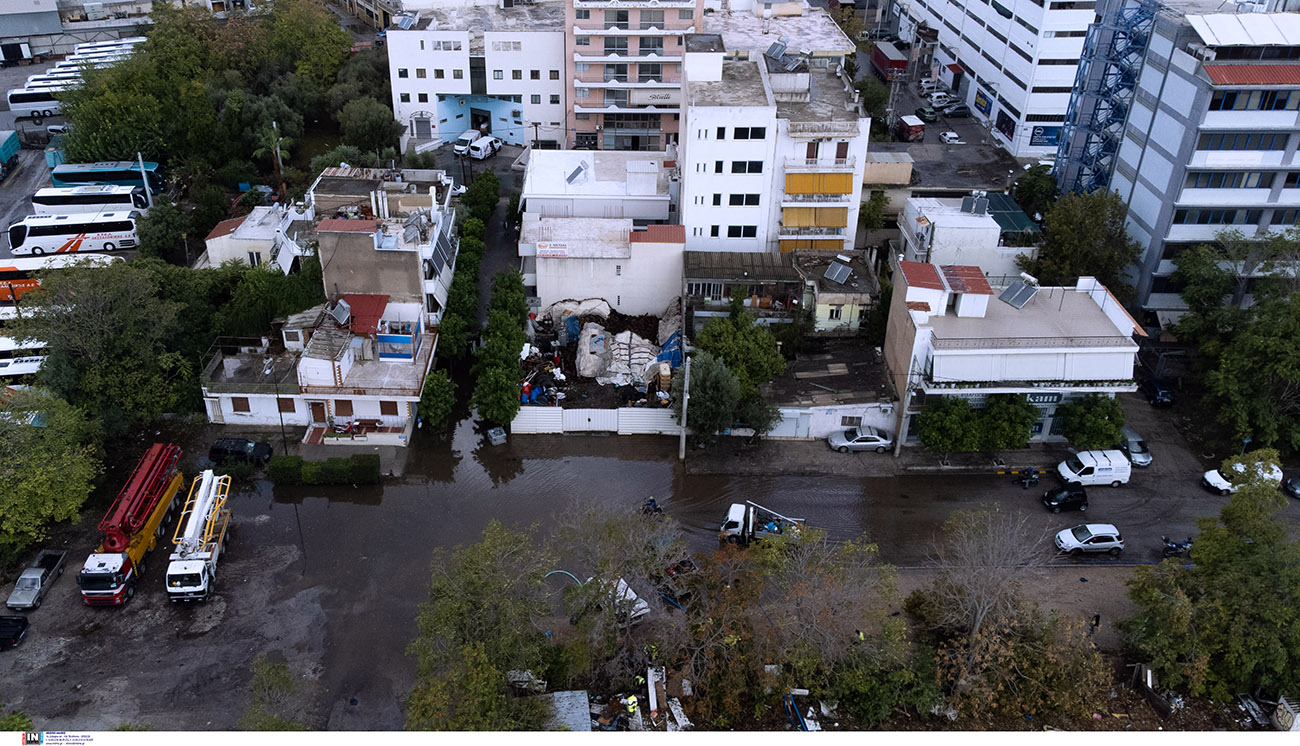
[1074, 464]
[1137, 446]
[851, 434]
[1081, 533]
[27, 584]
[249, 446]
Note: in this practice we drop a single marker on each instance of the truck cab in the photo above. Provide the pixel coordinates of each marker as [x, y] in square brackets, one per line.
[107, 579]
[188, 580]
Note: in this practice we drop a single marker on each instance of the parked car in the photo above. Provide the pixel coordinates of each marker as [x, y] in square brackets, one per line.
[860, 439]
[875, 34]
[35, 581]
[956, 111]
[939, 99]
[1134, 447]
[12, 631]
[1096, 467]
[1067, 497]
[1090, 537]
[927, 114]
[927, 86]
[484, 147]
[239, 450]
[1157, 391]
[1292, 487]
[951, 138]
[1226, 484]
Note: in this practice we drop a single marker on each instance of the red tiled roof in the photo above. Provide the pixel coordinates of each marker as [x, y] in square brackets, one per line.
[366, 309]
[921, 275]
[660, 234]
[918, 305]
[1254, 74]
[226, 227]
[966, 279]
[339, 225]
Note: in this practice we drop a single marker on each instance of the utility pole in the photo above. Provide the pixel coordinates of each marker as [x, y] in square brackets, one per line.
[686, 400]
[537, 134]
[148, 191]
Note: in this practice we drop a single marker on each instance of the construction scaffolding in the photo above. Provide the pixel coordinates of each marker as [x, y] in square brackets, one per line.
[1103, 93]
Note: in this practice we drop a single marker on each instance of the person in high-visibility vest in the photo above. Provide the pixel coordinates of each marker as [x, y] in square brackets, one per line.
[631, 705]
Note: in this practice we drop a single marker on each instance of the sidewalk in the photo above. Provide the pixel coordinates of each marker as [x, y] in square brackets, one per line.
[814, 457]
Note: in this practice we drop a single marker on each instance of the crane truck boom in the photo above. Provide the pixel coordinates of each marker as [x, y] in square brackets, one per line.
[131, 528]
[201, 534]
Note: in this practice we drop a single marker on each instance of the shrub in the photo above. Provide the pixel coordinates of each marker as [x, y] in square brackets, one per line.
[285, 469]
[335, 471]
[312, 471]
[364, 468]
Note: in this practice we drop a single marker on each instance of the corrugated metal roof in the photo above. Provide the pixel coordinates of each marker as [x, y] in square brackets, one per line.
[659, 234]
[921, 275]
[1246, 30]
[1254, 74]
[366, 311]
[966, 279]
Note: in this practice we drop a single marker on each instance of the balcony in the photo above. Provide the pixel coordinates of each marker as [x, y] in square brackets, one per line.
[811, 231]
[847, 129]
[817, 200]
[820, 164]
[624, 30]
[622, 81]
[680, 4]
[623, 55]
[624, 109]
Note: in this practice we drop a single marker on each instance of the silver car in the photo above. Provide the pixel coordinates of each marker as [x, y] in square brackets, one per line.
[860, 439]
[1090, 537]
[1134, 447]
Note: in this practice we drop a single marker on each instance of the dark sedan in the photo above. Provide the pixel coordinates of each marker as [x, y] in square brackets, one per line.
[1157, 391]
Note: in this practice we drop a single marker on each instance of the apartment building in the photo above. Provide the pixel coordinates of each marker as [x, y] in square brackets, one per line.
[624, 61]
[498, 70]
[988, 231]
[1211, 131]
[1012, 61]
[772, 151]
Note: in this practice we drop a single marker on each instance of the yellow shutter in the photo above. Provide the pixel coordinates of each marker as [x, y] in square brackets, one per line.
[801, 183]
[798, 217]
[837, 183]
[831, 217]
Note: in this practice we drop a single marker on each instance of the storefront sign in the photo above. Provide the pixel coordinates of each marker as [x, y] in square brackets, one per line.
[983, 102]
[1044, 398]
[656, 96]
[552, 249]
[1045, 136]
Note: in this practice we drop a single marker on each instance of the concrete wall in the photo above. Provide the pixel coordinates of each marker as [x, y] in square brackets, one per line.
[351, 264]
[542, 51]
[227, 248]
[1084, 364]
[263, 409]
[642, 283]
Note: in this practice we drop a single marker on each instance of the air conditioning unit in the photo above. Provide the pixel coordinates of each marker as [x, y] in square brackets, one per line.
[517, 113]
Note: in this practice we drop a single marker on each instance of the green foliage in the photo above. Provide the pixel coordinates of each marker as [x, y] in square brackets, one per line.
[878, 317]
[748, 350]
[482, 196]
[715, 395]
[1007, 422]
[335, 156]
[438, 398]
[514, 216]
[163, 232]
[949, 425]
[1085, 235]
[496, 390]
[1035, 190]
[359, 468]
[1095, 421]
[50, 458]
[367, 124]
[872, 214]
[472, 228]
[264, 293]
[16, 720]
[870, 690]
[471, 696]
[793, 337]
[874, 96]
[273, 703]
[127, 727]
[496, 395]
[1228, 621]
[309, 34]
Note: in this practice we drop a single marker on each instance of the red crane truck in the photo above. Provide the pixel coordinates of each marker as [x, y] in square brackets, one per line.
[132, 527]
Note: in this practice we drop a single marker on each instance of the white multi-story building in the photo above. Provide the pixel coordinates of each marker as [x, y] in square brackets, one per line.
[496, 70]
[1012, 61]
[948, 335]
[943, 230]
[771, 154]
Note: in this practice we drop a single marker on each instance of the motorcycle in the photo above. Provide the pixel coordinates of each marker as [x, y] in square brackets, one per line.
[650, 507]
[1026, 478]
[1176, 548]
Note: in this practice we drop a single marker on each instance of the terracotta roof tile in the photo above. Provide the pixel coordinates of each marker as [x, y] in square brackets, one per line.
[659, 234]
[366, 309]
[966, 279]
[921, 275]
[226, 227]
[918, 305]
[1253, 74]
[339, 225]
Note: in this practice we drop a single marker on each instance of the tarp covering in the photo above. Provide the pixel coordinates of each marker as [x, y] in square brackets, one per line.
[628, 357]
[593, 351]
[558, 310]
[670, 321]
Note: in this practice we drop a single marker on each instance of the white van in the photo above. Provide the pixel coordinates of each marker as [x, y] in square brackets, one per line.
[1096, 467]
[484, 147]
[466, 139]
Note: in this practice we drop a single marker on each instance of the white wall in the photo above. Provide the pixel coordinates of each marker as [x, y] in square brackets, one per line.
[263, 409]
[701, 149]
[603, 206]
[642, 283]
[1084, 364]
[542, 51]
[228, 248]
[418, 50]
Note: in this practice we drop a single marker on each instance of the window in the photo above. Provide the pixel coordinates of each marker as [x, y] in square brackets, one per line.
[652, 19]
[751, 133]
[704, 289]
[652, 45]
[582, 92]
[423, 98]
[582, 41]
[420, 73]
[343, 407]
[717, 200]
[1045, 118]
[722, 133]
[582, 15]
[1070, 63]
[1051, 89]
[402, 73]
[1292, 180]
[615, 98]
[746, 167]
[616, 19]
[285, 405]
[685, 15]
[713, 231]
[536, 98]
[1284, 217]
[254, 258]
[1254, 100]
[534, 74]
[404, 98]
[649, 71]
[1229, 180]
[717, 167]
[616, 73]
[555, 98]
[437, 73]
[1210, 216]
[388, 408]
[850, 421]
[516, 74]
[743, 200]
[616, 45]
[555, 75]
[582, 117]
[835, 313]
[1025, 23]
[618, 270]
[446, 45]
[507, 46]
[498, 75]
[1243, 141]
[239, 404]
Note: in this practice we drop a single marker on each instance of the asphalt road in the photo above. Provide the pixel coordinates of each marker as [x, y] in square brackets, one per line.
[32, 174]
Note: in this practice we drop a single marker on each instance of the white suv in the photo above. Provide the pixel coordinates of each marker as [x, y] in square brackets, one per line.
[1226, 484]
[1090, 537]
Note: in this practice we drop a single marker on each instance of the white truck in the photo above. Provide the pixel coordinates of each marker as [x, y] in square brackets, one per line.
[749, 521]
[200, 536]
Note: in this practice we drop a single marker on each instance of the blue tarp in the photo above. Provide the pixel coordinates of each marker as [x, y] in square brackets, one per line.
[671, 352]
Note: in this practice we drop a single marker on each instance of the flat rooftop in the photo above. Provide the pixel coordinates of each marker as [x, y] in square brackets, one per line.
[814, 31]
[947, 211]
[261, 224]
[478, 19]
[1054, 317]
[832, 371]
[596, 173]
[828, 100]
[740, 265]
[592, 238]
[741, 85]
[813, 265]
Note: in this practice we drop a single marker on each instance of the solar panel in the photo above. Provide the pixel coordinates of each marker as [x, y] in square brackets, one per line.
[778, 48]
[1018, 294]
[576, 172]
[837, 272]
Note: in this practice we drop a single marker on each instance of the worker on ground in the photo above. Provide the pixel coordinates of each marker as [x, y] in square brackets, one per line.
[631, 705]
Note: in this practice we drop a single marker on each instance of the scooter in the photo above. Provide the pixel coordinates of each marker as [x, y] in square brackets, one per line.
[1176, 548]
[1026, 478]
[650, 507]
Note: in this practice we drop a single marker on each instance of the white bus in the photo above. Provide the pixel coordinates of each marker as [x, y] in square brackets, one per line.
[35, 102]
[92, 199]
[38, 235]
[94, 46]
[53, 76]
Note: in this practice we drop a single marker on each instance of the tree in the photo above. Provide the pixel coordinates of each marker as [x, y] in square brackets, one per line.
[105, 328]
[1228, 621]
[338, 156]
[164, 231]
[471, 696]
[49, 460]
[496, 395]
[369, 125]
[749, 350]
[482, 195]
[878, 317]
[1035, 191]
[1084, 236]
[306, 32]
[1254, 377]
[1094, 421]
[849, 22]
[16, 720]
[715, 394]
[949, 425]
[438, 398]
[1206, 289]
[872, 214]
[1008, 422]
[874, 96]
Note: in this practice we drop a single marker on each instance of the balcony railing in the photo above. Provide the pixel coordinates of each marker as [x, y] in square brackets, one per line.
[809, 230]
[825, 129]
[634, 4]
[818, 198]
[820, 164]
[999, 343]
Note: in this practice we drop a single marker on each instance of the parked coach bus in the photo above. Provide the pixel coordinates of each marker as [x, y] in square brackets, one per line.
[18, 276]
[93, 199]
[121, 173]
[38, 235]
[35, 102]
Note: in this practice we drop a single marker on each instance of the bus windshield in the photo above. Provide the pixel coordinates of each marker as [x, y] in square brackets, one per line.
[17, 234]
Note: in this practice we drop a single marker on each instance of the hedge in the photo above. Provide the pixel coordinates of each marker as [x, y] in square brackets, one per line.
[361, 468]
